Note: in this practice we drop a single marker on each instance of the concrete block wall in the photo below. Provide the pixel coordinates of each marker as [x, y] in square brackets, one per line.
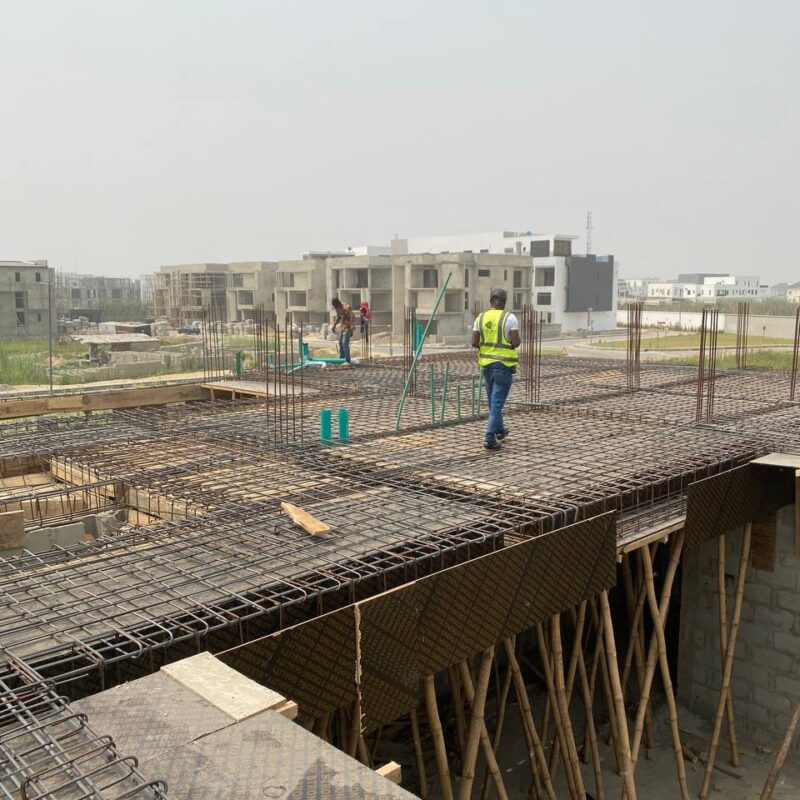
[766, 671]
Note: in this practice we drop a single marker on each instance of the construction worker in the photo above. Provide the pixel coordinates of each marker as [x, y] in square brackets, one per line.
[345, 318]
[496, 336]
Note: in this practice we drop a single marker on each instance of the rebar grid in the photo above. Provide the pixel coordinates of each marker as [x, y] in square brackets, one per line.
[221, 559]
[49, 751]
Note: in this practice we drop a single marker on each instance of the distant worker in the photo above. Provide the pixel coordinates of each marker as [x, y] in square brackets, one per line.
[346, 319]
[496, 335]
[366, 319]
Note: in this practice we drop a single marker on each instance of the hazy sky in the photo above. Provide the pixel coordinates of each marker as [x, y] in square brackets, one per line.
[136, 134]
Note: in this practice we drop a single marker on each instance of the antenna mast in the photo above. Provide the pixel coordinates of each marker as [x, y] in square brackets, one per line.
[588, 233]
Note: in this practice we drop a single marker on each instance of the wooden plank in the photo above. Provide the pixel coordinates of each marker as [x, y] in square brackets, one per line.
[762, 549]
[98, 401]
[391, 771]
[12, 530]
[302, 518]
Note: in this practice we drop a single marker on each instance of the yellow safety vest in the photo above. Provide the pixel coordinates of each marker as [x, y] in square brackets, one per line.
[494, 345]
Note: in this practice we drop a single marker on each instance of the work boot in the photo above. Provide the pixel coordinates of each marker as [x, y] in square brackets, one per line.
[492, 445]
[502, 435]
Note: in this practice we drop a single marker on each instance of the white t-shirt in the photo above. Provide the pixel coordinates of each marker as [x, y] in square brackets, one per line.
[512, 324]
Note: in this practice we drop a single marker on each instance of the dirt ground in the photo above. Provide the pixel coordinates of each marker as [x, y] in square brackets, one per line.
[656, 773]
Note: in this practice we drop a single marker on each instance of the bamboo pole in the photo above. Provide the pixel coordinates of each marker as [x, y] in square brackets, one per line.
[445, 787]
[527, 717]
[652, 651]
[320, 727]
[591, 734]
[551, 692]
[502, 695]
[476, 723]
[570, 683]
[658, 627]
[723, 644]
[780, 756]
[486, 745]
[423, 778]
[619, 702]
[729, 651]
[458, 708]
[607, 693]
[570, 751]
[355, 728]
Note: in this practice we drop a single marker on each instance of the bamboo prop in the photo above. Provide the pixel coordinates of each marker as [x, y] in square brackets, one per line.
[458, 708]
[355, 728]
[650, 664]
[320, 727]
[729, 651]
[658, 627]
[542, 773]
[502, 694]
[780, 756]
[570, 752]
[592, 684]
[363, 752]
[423, 778]
[635, 644]
[486, 745]
[552, 694]
[591, 734]
[611, 709]
[619, 702]
[573, 665]
[476, 724]
[437, 735]
[723, 645]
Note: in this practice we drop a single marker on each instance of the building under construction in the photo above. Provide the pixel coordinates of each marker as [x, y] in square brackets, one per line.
[399, 591]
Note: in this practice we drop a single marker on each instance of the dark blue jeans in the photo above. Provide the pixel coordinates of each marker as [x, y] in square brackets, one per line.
[498, 378]
[345, 335]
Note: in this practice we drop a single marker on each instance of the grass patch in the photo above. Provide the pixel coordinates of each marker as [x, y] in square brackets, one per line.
[688, 340]
[764, 359]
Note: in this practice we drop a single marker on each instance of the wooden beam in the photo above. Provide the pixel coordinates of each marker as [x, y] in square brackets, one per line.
[302, 518]
[391, 771]
[98, 401]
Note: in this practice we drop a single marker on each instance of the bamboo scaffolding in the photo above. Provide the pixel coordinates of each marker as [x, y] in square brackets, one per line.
[723, 645]
[658, 628]
[652, 651]
[421, 774]
[486, 745]
[780, 756]
[476, 724]
[619, 702]
[729, 651]
[542, 773]
[554, 705]
[440, 750]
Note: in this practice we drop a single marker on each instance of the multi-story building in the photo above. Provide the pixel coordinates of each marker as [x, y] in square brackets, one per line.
[182, 292]
[575, 292]
[77, 291]
[27, 299]
[300, 290]
[250, 284]
[390, 283]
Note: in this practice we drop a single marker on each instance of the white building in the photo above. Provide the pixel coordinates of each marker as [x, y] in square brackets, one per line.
[704, 287]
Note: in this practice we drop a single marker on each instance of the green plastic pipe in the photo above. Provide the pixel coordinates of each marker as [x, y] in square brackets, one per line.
[472, 392]
[444, 390]
[325, 424]
[458, 401]
[418, 352]
[344, 426]
[433, 396]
